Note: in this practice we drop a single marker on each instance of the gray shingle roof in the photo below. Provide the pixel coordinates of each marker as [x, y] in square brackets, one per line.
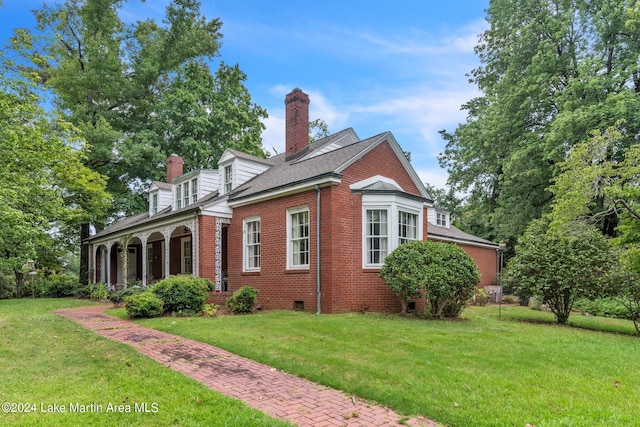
[288, 173]
[453, 233]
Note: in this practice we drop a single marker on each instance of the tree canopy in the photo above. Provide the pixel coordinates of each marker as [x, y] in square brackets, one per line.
[551, 72]
[46, 188]
[138, 92]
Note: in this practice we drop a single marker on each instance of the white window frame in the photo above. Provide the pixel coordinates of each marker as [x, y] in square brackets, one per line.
[185, 194]
[291, 240]
[250, 245]
[194, 190]
[186, 257]
[394, 204]
[408, 227]
[178, 201]
[228, 178]
[384, 234]
[154, 203]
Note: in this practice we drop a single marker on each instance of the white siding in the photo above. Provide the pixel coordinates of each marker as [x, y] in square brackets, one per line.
[242, 170]
[246, 169]
[209, 182]
[164, 199]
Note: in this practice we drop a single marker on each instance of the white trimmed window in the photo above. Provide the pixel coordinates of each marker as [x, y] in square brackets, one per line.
[441, 219]
[376, 235]
[185, 255]
[178, 196]
[154, 203]
[194, 190]
[388, 220]
[407, 227]
[298, 238]
[228, 178]
[252, 239]
[185, 194]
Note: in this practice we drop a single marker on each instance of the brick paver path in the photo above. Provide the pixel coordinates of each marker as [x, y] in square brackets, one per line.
[269, 390]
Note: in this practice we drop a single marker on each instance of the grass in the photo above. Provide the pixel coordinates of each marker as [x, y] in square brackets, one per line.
[52, 363]
[477, 371]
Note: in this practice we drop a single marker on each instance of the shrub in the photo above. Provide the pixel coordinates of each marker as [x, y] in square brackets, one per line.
[118, 297]
[7, 286]
[509, 299]
[144, 304]
[604, 307]
[60, 286]
[456, 305]
[559, 267]
[183, 293]
[442, 270]
[98, 291]
[482, 297]
[243, 300]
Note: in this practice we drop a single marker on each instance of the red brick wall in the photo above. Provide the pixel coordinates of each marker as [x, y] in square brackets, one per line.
[207, 247]
[345, 285]
[486, 259]
[277, 286]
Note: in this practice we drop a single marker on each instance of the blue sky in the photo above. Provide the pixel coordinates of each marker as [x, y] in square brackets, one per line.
[371, 65]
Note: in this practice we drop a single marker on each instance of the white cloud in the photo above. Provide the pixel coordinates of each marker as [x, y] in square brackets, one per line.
[433, 176]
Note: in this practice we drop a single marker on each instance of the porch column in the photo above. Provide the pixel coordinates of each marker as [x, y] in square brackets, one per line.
[143, 239]
[167, 258]
[107, 266]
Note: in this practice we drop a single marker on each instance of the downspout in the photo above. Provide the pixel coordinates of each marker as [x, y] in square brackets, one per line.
[318, 288]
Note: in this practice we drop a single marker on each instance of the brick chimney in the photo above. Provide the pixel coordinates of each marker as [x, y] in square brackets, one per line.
[297, 123]
[174, 167]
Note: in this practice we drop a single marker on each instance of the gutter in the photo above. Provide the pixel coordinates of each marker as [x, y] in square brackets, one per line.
[318, 287]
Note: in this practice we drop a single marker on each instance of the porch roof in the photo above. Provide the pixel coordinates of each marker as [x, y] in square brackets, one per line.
[135, 221]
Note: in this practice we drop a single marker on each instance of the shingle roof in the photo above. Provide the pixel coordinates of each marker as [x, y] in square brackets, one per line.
[143, 218]
[287, 173]
[453, 233]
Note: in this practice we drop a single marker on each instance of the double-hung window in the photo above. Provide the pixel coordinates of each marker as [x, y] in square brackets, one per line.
[154, 203]
[185, 194]
[252, 241]
[407, 227]
[194, 190]
[228, 178]
[178, 196]
[376, 235]
[298, 238]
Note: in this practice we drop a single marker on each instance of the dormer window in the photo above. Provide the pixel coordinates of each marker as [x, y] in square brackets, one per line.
[228, 178]
[194, 190]
[441, 219]
[178, 196]
[154, 203]
[185, 193]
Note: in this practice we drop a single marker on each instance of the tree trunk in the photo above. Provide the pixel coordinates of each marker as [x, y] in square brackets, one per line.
[19, 283]
[83, 275]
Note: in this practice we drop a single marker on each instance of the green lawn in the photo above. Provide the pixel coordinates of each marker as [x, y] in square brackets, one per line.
[48, 363]
[473, 372]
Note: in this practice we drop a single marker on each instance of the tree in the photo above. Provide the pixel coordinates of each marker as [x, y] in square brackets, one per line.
[45, 186]
[560, 267]
[137, 91]
[318, 129]
[551, 72]
[437, 269]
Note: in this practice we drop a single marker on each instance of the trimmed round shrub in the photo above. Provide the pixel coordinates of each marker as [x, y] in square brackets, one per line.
[442, 271]
[118, 297]
[144, 304]
[243, 300]
[181, 294]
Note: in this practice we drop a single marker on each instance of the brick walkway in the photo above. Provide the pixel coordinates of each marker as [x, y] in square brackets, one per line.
[269, 390]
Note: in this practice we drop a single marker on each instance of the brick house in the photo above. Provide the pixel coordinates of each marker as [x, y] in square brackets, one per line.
[309, 228]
